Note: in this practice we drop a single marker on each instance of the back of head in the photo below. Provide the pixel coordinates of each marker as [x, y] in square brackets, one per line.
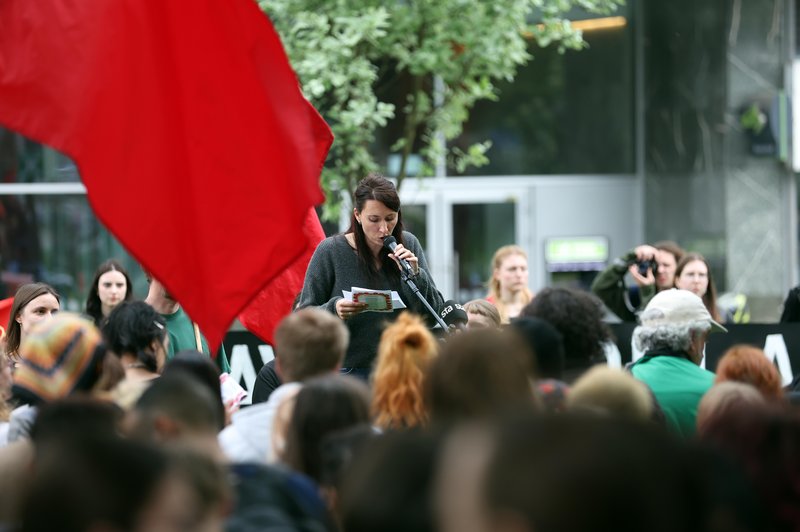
[184, 401]
[483, 308]
[198, 366]
[546, 345]
[131, 328]
[567, 473]
[389, 488]
[61, 356]
[405, 353]
[75, 419]
[479, 373]
[613, 392]
[99, 484]
[310, 342]
[578, 316]
[323, 406]
[726, 399]
[748, 364]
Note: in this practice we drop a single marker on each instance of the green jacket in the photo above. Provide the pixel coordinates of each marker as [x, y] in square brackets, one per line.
[181, 337]
[609, 286]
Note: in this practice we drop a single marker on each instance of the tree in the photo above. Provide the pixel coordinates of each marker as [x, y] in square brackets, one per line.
[447, 53]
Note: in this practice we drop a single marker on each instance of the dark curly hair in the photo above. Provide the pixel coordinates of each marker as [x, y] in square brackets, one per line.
[131, 328]
[578, 316]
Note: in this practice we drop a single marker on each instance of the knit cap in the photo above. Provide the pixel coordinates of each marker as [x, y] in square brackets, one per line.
[59, 356]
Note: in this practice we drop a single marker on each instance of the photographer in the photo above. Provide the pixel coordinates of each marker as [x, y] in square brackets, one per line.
[653, 270]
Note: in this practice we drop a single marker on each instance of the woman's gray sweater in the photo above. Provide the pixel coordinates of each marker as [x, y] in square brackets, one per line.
[335, 267]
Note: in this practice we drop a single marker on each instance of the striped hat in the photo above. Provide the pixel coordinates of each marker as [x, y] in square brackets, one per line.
[59, 356]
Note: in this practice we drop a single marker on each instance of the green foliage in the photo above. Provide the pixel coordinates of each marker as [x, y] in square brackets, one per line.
[449, 53]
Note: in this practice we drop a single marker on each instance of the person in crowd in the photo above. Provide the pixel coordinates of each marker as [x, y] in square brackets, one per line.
[180, 411]
[197, 365]
[581, 473]
[763, 442]
[340, 452]
[33, 303]
[479, 374]
[184, 334]
[651, 267]
[578, 316]
[308, 343]
[546, 345]
[400, 467]
[673, 333]
[748, 364]
[60, 357]
[610, 392]
[725, 398]
[110, 287]
[323, 406]
[137, 334]
[508, 287]
[481, 314]
[405, 353]
[358, 258]
[693, 274]
[85, 477]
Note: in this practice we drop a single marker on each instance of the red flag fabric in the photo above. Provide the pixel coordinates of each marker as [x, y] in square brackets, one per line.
[196, 146]
[5, 314]
[275, 301]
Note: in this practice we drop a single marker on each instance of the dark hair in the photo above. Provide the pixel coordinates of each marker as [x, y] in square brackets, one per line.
[25, 294]
[401, 467]
[479, 374]
[106, 482]
[578, 316]
[93, 306]
[324, 405]
[180, 397]
[710, 297]
[375, 187]
[546, 345]
[131, 328]
[198, 366]
[566, 473]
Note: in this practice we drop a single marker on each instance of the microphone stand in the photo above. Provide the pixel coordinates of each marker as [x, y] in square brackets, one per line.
[410, 282]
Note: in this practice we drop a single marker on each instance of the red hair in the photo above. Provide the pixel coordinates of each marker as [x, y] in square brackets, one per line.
[748, 364]
[406, 350]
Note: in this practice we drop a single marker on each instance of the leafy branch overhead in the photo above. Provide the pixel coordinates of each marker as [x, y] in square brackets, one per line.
[441, 56]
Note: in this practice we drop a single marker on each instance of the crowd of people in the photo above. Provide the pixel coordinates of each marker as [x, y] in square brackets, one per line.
[507, 419]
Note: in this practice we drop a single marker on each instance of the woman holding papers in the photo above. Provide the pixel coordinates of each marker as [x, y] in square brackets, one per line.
[357, 260]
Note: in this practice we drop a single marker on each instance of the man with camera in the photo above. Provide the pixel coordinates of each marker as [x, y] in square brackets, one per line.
[651, 267]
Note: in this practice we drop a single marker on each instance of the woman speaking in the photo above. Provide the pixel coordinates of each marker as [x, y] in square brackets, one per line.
[358, 258]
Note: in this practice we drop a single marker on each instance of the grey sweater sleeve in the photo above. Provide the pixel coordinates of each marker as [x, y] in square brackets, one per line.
[319, 282]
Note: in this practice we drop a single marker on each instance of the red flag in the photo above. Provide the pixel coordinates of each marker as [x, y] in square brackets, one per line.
[5, 314]
[186, 122]
[274, 302]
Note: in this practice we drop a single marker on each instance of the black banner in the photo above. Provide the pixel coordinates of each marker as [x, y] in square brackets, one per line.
[780, 342]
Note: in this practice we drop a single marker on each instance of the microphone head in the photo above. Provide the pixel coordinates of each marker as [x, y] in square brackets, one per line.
[453, 313]
[390, 242]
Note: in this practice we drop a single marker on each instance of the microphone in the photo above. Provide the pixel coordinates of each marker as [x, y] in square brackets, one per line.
[390, 243]
[454, 315]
